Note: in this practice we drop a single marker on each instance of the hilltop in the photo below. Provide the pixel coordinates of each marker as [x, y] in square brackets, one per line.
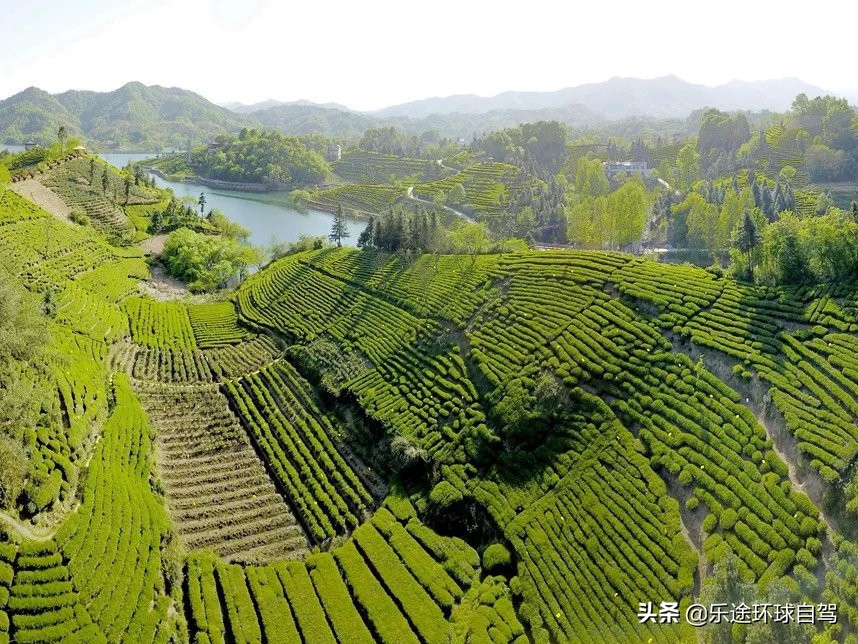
[135, 116]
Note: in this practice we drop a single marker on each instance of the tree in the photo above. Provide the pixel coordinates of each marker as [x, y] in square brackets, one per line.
[733, 206]
[786, 258]
[127, 189]
[339, 231]
[688, 166]
[470, 238]
[590, 178]
[703, 226]
[202, 202]
[4, 180]
[105, 182]
[747, 238]
[61, 137]
[365, 239]
[157, 222]
[24, 332]
[823, 203]
[207, 262]
[787, 174]
[49, 303]
[726, 585]
[627, 210]
[13, 471]
[456, 194]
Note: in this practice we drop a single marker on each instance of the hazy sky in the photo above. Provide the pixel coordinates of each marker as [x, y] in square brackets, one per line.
[372, 54]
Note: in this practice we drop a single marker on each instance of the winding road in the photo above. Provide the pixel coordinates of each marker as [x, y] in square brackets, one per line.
[410, 194]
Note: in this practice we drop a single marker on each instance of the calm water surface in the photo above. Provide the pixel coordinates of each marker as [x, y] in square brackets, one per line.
[268, 216]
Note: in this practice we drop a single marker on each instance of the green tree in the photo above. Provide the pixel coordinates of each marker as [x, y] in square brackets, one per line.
[207, 262]
[339, 231]
[688, 166]
[4, 180]
[747, 238]
[456, 194]
[61, 137]
[590, 178]
[470, 238]
[13, 470]
[780, 592]
[127, 190]
[202, 202]
[628, 207]
[726, 585]
[24, 333]
[365, 239]
[703, 227]
[105, 182]
[732, 209]
[787, 175]
[785, 256]
[824, 203]
[49, 303]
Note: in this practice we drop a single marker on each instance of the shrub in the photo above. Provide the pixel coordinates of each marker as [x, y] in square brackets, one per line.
[496, 556]
[445, 495]
[79, 216]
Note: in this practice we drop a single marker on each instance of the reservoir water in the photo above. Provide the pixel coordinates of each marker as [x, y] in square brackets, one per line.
[268, 216]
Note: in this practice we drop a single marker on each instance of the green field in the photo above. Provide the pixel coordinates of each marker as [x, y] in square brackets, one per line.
[357, 446]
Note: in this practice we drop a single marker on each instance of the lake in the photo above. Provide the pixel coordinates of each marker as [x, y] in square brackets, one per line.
[268, 216]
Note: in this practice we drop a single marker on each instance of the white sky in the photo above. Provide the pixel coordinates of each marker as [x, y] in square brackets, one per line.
[369, 55]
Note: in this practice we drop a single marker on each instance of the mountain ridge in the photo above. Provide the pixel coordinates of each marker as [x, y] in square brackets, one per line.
[641, 97]
[154, 117]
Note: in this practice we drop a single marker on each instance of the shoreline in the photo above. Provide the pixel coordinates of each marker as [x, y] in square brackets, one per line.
[219, 184]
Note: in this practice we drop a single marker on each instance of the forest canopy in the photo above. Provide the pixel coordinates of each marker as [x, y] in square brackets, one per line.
[260, 157]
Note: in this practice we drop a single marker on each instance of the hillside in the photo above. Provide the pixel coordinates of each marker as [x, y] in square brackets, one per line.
[135, 116]
[33, 113]
[357, 446]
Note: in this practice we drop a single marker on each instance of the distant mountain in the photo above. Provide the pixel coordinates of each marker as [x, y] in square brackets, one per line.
[464, 125]
[151, 118]
[34, 114]
[135, 116]
[242, 108]
[306, 119]
[295, 118]
[664, 97]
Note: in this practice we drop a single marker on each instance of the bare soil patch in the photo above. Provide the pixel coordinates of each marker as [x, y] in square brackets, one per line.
[154, 245]
[44, 197]
[162, 287]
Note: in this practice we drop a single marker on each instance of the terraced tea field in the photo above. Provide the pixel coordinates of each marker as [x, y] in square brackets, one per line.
[360, 166]
[365, 447]
[217, 490]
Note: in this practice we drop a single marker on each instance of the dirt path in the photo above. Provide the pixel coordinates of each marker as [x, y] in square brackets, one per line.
[154, 245]
[410, 195]
[44, 197]
[25, 530]
[162, 287]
